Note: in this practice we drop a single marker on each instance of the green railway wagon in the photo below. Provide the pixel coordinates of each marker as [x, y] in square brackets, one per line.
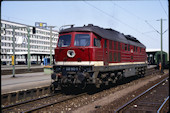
[154, 58]
[158, 58]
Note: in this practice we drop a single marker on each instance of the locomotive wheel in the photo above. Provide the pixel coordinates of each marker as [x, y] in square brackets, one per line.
[83, 85]
[98, 83]
[115, 80]
[53, 86]
[142, 75]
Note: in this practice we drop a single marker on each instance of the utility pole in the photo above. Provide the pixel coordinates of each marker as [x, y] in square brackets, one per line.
[28, 55]
[51, 43]
[161, 50]
[161, 45]
[13, 57]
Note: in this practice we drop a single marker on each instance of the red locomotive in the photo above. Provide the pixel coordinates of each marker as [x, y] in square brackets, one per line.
[91, 55]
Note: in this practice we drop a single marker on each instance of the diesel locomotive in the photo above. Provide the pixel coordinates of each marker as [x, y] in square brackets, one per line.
[91, 55]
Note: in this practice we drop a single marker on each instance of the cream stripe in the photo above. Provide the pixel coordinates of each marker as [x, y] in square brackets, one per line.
[126, 63]
[95, 63]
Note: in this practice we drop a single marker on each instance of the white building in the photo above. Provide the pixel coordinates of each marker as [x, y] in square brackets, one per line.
[39, 43]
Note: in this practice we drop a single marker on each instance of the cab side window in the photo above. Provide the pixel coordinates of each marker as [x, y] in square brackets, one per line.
[105, 44]
[97, 42]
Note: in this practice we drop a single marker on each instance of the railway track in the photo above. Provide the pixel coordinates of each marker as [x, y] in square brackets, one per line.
[20, 105]
[39, 103]
[26, 95]
[152, 100]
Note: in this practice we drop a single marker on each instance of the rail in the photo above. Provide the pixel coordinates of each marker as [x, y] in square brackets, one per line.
[129, 102]
[160, 108]
[46, 105]
[24, 102]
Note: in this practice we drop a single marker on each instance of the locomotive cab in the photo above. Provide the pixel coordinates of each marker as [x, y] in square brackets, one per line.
[73, 47]
[74, 58]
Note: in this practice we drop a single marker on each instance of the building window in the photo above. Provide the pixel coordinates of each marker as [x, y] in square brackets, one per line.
[2, 38]
[1, 31]
[3, 25]
[10, 38]
[2, 43]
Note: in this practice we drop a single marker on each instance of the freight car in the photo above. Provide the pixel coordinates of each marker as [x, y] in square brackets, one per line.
[91, 55]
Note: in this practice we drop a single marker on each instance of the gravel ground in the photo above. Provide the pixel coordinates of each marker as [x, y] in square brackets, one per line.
[119, 95]
[107, 100]
[37, 103]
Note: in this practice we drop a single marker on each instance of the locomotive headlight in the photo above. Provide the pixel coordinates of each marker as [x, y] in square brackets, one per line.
[71, 53]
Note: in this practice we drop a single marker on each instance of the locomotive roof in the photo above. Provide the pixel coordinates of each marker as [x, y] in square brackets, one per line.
[106, 33]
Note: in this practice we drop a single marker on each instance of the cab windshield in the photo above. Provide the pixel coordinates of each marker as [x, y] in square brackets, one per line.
[82, 40]
[64, 41]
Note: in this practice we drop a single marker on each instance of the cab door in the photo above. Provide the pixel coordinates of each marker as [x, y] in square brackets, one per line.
[105, 52]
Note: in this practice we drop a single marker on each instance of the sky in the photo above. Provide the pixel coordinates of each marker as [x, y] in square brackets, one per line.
[139, 18]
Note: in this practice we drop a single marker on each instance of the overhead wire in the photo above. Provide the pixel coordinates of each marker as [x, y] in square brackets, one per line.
[139, 18]
[152, 26]
[163, 8]
[143, 20]
[136, 16]
[112, 16]
[117, 19]
[128, 11]
[149, 31]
